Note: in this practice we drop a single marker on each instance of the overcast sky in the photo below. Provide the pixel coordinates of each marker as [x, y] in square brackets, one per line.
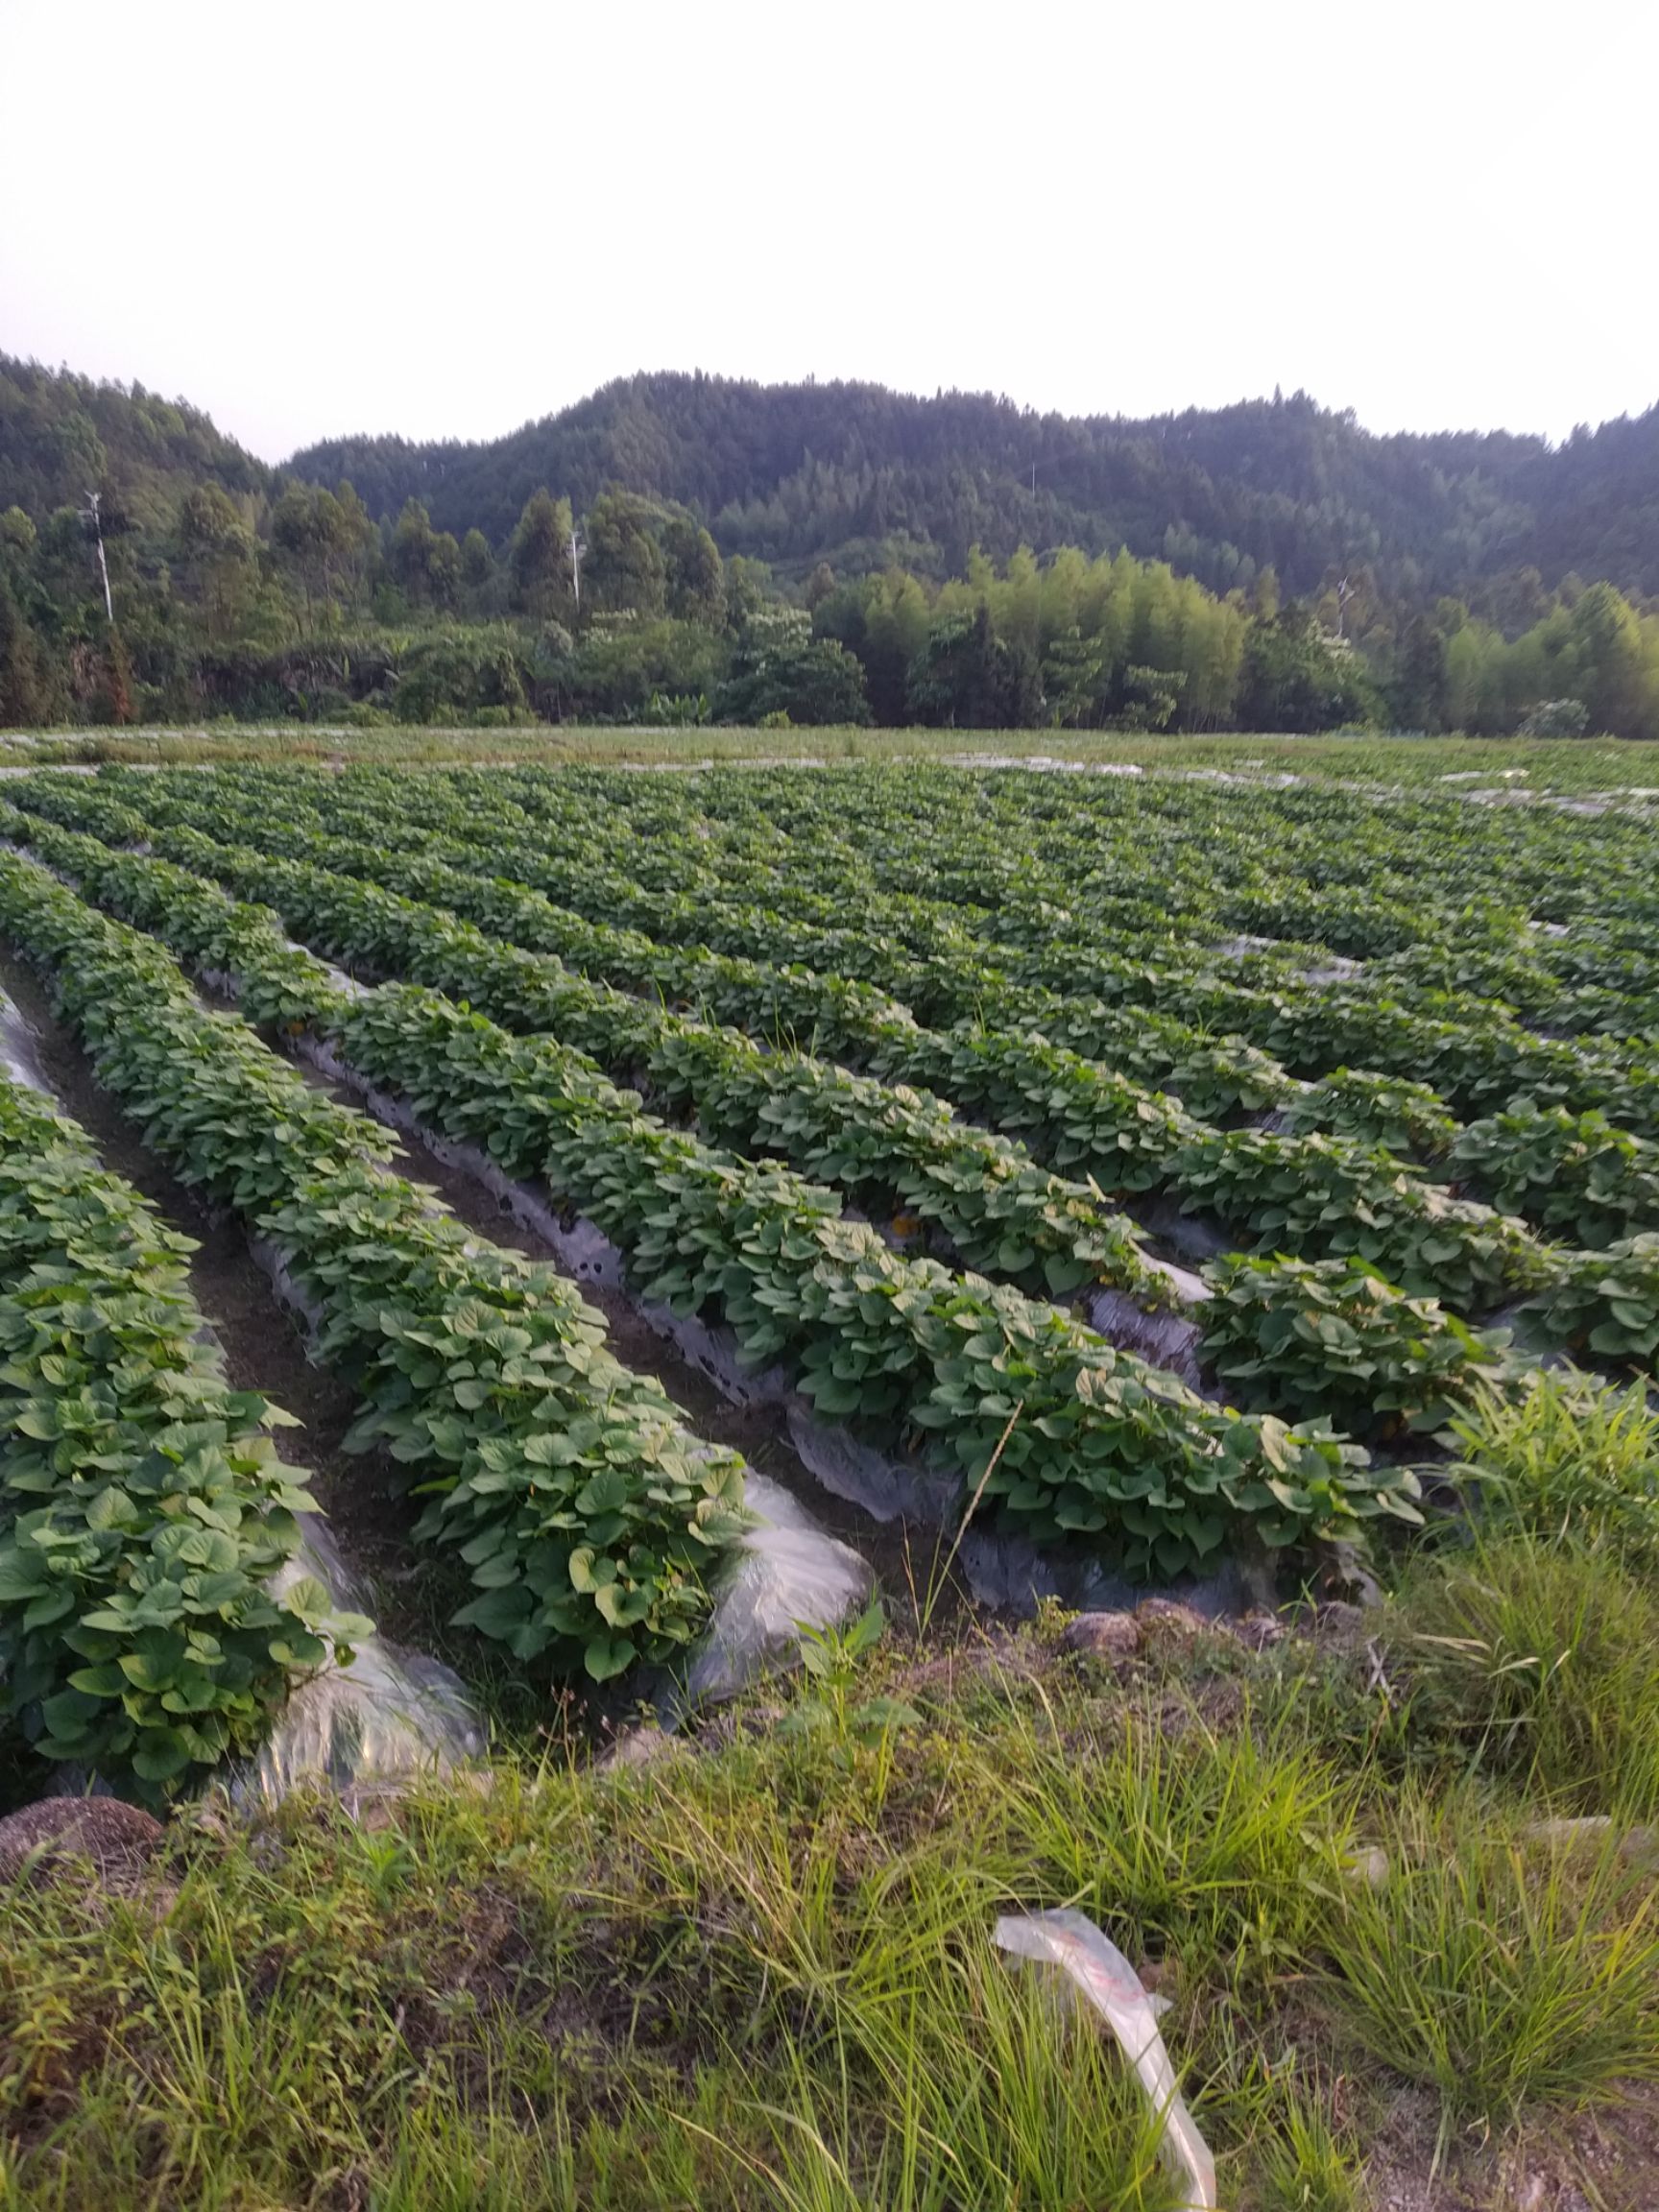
[326, 216]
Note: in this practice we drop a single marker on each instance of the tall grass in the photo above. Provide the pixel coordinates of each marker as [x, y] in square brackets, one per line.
[1500, 1972]
[1567, 1456]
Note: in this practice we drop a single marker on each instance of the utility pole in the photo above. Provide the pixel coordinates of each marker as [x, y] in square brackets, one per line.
[91, 510]
[577, 549]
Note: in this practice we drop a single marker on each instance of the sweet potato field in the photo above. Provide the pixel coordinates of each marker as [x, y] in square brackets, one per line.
[1156, 1167]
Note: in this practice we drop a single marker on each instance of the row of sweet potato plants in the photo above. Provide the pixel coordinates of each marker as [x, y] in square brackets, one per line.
[948, 883]
[1156, 1022]
[1105, 1452]
[1432, 893]
[1301, 1191]
[1603, 1303]
[1280, 1334]
[589, 1516]
[145, 1515]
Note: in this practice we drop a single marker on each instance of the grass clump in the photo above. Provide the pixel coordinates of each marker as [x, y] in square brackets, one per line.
[1499, 1970]
[1568, 1457]
[1540, 1663]
[1309, 2165]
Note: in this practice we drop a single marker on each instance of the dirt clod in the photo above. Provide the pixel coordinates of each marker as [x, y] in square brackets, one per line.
[1103, 1635]
[1167, 1616]
[640, 1746]
[55, 1835]
[1257, 1631]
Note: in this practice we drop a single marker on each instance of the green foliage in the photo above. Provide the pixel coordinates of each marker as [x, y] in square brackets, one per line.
[1150, 612]
[586, 1514]
[1314, 1194]
[323, 539]
[145, 1518]
[1498, 1974]
[1334, 1336]
[1541, 1660]
[25, 695]
[856, 476]
[801, 679]
[620, 665]
[1566, 1459]
[1294, 679]
[1573, 1172]
[539, 559]
[830, 1658]
[1607, 1302]
[1554, 718]
[1406, 1119]
[967, 678]
[452, 675]
[1112, 1452]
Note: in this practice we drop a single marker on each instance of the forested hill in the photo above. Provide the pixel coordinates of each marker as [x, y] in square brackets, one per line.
[858, 476]
[62, 436]
[863, 477]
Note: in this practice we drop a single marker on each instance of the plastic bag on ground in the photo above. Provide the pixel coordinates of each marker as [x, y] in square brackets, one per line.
[1073, 1942]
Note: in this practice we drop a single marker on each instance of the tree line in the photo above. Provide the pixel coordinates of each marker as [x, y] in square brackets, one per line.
[243, 590]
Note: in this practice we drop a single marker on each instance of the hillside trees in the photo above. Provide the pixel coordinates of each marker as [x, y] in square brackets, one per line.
[218, 561]
[648, 558]
[539, 559]
[323, 541]
[779, 669]
[426, 562]
[967, 678]
[1123, 581]
[857, 476]
[1295, 677]
[25, 696]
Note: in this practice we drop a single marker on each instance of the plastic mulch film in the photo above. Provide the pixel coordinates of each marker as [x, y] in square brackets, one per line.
[1107, 1981]
[1162, 1340]
[19, 1055]
[384, 1720]
[786, 1574]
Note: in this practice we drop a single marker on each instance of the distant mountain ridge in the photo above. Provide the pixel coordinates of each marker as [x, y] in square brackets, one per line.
[795, 474]
[856, 476]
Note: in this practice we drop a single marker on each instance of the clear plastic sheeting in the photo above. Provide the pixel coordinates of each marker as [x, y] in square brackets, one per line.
[1001, 1571]
[19, 1051]
[1192, 1290]
[379, 1722]
[1111, 1985]
[786, 1574]
[887, 1487]
[1043, 764]
[1167, 1341]
[1012, 1575]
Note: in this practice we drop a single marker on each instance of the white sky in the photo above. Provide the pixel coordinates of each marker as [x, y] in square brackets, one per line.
[313, 217]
